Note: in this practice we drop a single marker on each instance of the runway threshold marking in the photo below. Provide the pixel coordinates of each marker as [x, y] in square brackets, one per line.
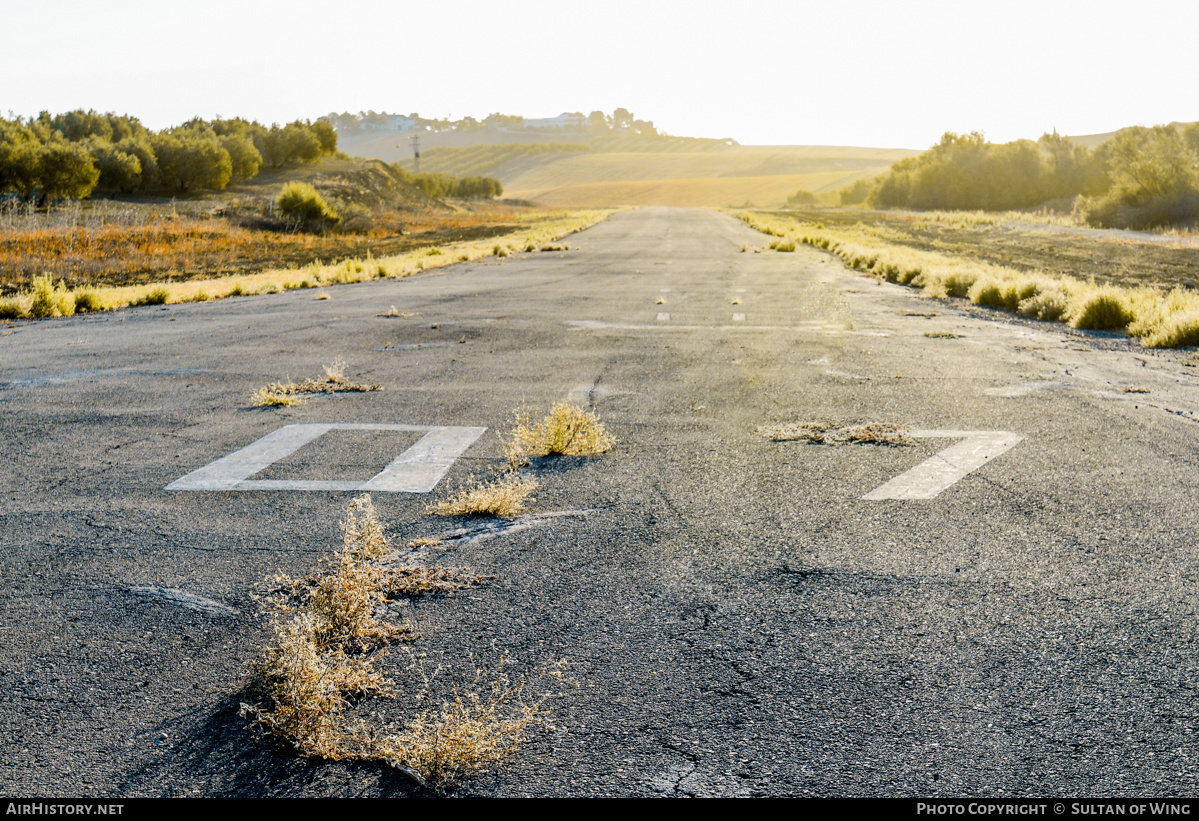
[940, 471]
[417, 470]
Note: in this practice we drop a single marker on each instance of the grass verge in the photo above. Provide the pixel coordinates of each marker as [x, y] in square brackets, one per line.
[1159, 319]
[540, 229]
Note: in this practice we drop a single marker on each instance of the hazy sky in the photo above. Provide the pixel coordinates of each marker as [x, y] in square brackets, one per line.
[839, 72]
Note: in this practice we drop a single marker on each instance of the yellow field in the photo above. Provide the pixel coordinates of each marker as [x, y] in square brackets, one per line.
[763, 175]
[696, 192]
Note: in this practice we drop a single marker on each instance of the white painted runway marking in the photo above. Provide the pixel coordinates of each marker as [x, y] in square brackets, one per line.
[416, 470]
[938, 472]
[738, 317]
[663, 317]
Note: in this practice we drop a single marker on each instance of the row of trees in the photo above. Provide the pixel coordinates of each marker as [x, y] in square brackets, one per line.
[1140, 178]
[967, 172]
[70, 155]
[439, 186]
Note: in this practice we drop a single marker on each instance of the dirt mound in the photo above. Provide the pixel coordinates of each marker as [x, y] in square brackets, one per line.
[375, 184]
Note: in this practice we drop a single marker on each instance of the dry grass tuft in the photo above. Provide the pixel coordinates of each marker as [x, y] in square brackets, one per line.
[422, 581]
[824, 433]
[568, 430]
[275, 395]
[504, 497]
[289, 393]
[396, 313]
[942, 335]
[1136, 389]
[469, 733]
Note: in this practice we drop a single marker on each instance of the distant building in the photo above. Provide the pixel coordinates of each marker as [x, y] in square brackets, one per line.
[394, 122]
[567, 119]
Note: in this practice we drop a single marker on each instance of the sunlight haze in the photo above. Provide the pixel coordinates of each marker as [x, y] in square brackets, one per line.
[855, 73]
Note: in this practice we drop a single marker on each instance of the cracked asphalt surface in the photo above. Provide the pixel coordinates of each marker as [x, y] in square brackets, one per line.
[736, 618]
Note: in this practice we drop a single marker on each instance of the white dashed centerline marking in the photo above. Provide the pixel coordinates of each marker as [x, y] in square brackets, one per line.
[663, 317]
[416, 470]
[938, 472]
[738, 317]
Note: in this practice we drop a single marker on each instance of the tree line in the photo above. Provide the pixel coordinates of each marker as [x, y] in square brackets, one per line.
[1140, 178]
[348, 123]
[70, 155]
[439, 186]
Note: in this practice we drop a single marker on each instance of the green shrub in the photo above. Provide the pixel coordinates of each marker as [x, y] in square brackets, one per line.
[801, 198]
[301, 202]
[1103, 309]
[355, 218]
[12, 307]
[88, 300]
[50, 299]
[157, 295]
[988, 291]
[1175, 331]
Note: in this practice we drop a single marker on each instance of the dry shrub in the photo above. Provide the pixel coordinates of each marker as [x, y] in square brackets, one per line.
[306, 677]
[471, 732]
[568, 430]
[1175, 331]
[504, 497]
[319, 666]
[307, 689]
[1049, 305]
[825, 433]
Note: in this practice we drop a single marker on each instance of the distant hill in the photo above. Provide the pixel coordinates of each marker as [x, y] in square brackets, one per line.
[763, 175]
[1091, 141]
[593, 167]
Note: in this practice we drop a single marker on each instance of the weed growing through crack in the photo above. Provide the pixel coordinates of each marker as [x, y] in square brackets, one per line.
[286, 394]
[502, 498]
[942, 335]
[824, 433]
[320, 665]
[395, 312]
[470, 732]
[568, 430]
